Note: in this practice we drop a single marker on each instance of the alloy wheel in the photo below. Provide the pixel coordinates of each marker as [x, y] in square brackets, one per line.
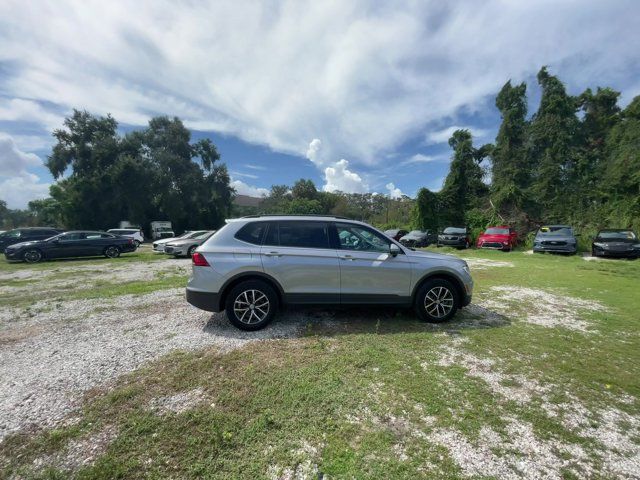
[251, 307]
[438, 302]
[32, 256]
[112, 252]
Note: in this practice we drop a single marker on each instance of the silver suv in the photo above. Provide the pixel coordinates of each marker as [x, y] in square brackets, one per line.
[253, 265]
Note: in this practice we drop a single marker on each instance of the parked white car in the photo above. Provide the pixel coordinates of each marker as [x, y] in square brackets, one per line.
[135, 233]
[158, 245]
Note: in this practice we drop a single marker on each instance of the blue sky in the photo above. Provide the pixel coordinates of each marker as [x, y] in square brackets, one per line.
[358, 96]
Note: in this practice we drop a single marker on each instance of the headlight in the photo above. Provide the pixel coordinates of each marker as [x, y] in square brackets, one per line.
[637, 245]
[465, 267]
[599, 244]
[505, 243]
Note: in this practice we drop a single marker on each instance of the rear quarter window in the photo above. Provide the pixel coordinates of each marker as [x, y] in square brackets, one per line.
[252, 233]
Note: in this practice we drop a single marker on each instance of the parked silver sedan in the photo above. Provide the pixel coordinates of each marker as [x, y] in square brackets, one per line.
[186, 246]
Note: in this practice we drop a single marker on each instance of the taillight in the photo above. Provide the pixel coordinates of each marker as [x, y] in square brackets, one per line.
[199, 260]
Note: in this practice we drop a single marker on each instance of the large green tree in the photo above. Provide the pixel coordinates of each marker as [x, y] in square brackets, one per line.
[510, 172]
[552, 149]
[463, 186]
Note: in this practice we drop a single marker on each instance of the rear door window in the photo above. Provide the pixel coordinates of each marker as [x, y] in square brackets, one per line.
[303, 234]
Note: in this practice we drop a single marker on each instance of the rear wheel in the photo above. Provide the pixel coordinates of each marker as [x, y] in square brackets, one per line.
[437, 300]
[251, 305]
[112, 252]
[32, 256]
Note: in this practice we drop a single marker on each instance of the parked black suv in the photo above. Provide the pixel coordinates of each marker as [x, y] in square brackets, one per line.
[458, 237]
[27, 234]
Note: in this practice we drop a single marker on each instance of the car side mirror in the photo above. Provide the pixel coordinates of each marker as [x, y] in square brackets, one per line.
[394, 250]
[577, 234]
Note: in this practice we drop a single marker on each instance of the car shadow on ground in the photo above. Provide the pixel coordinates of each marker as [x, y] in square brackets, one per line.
[299, 321]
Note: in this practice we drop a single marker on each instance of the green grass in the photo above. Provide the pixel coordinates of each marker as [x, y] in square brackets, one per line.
[264, 401]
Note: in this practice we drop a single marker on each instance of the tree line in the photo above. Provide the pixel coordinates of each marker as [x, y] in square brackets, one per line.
[576, 160]
[156, 173]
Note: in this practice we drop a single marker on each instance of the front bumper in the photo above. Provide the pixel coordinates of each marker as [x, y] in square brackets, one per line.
[158, 247]
[452, 243]
[555, 248]
[494, 246]
[599, 252]
[204, 300]
[13, 255]
[177, 250]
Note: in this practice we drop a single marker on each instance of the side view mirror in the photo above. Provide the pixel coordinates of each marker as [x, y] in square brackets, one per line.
[394, 250]
[577, 234]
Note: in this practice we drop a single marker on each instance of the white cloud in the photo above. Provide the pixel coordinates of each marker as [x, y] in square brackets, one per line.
[394, 192]
[443, 136]
[420, 158]
[254, 167]
[339, 178]
[313, 152]
[19, 110]
[244, 189]
[362, 77]
[13, 161]
[18, 191]
[245, 175]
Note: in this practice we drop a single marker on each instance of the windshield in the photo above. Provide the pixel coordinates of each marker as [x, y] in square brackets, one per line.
[416, 232]
[621, 235]
[497, 231]
[195, 234]
[550, 231]
[163, 229]
[11, 234]
[455, 230]
[203, 235]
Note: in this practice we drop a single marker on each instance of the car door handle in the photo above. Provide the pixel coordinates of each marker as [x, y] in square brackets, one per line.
[272, 254]
[347, 257]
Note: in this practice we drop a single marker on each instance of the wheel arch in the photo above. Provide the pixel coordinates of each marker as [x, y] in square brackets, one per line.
[243, 277]
[444, 275]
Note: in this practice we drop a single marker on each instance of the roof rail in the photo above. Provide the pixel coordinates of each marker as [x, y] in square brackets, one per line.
[260, 215]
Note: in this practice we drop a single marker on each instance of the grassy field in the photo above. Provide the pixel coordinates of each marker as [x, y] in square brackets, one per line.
[538, 379]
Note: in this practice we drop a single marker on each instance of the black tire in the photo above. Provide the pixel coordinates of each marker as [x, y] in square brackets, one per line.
[112, 251]
[429, 292]
[466, 245]
[32, 256]
[192, 249]
[137, 243]
[252, 291]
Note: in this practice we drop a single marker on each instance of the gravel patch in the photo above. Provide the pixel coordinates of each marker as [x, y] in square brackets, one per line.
[485, 263]
[59, 351]
[78, 453]
[543, 308]
[178, 403]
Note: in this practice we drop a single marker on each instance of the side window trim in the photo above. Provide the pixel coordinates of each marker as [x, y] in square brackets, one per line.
[275, 226]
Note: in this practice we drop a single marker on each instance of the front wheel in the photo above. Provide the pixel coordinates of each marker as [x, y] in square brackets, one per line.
[251, 305]
[112, 252]
[191, 250]
[437, 300]
[137, 243]
[32, 256]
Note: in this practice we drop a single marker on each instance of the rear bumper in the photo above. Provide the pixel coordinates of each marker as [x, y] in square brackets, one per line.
[204, 300]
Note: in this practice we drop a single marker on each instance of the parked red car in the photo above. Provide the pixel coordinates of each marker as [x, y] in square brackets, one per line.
[501, 237]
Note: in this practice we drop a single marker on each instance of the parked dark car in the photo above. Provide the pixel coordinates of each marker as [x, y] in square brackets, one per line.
[419, 238]
[616, 243]
[458, 237]
[18, 235]
[78, 243]
[555, 238]
[396, 233]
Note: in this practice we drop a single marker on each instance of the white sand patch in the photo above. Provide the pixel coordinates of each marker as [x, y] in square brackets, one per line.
[304, 465]
[485, 263]
[543, 308]
[612, 429]
[79, 452]
[178, 403]
[528, 252]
